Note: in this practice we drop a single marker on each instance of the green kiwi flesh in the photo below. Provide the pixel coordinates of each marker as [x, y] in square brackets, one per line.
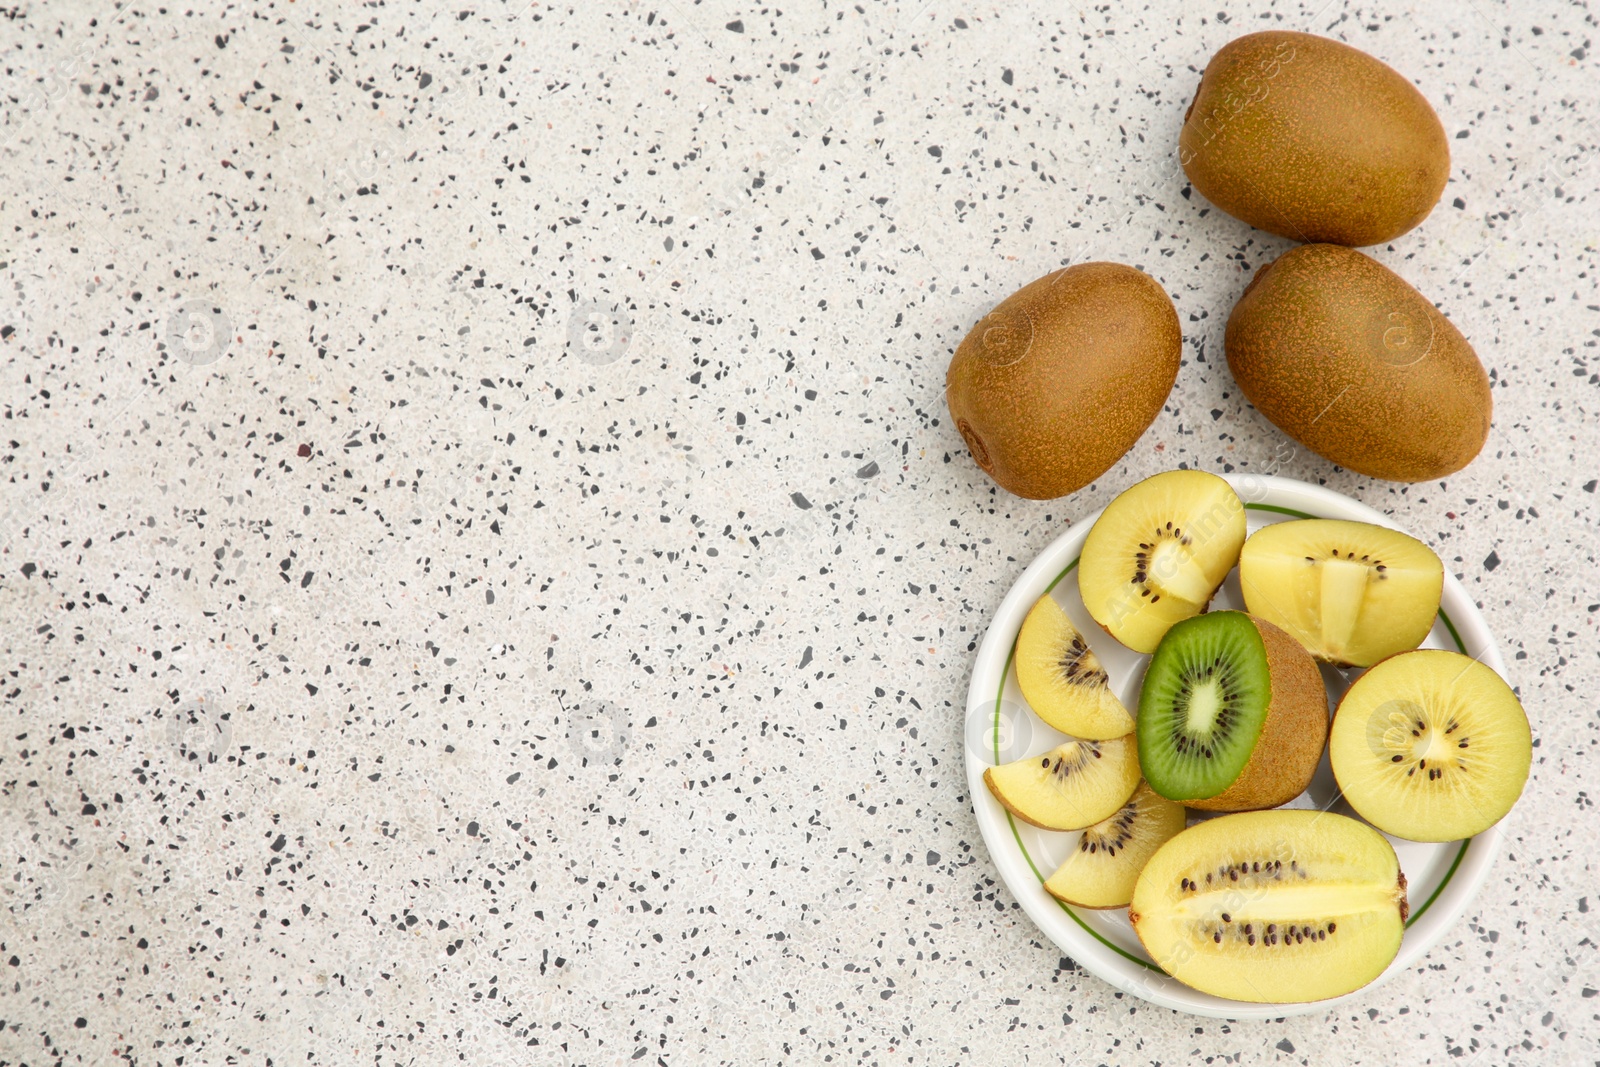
[1203, 705]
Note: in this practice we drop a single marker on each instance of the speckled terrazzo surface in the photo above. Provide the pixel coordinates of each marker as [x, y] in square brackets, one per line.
[486, 573]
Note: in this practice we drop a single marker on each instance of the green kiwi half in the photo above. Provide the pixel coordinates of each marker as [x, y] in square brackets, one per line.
[1233, 714]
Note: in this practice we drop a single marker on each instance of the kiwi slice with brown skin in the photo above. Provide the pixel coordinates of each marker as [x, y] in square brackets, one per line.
[1431, 746]
[1106, 862]
[1073, 785]
[1233, 714]
[1352, 593]
[1062, 678]
[1157, 554]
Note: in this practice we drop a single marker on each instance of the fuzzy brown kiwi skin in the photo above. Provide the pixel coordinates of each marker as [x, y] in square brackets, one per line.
[1094, 352]
[1292, 738]
[1313, 140]
[1415, 420]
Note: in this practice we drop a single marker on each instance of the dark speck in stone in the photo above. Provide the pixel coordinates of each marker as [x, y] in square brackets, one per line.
[303, 451]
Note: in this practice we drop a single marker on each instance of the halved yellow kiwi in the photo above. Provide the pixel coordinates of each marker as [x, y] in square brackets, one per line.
[1157, 554]
[1103, 868]
[1431, 746]
[1069, 787]
[1063, 680]
[1350, 592]
[1274, 906]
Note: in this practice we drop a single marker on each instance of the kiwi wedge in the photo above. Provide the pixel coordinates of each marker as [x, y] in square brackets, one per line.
[1431, 746]
[1232, 715]
[1073, 785]
[1104, 866]
[1063, 681]
[1351, 592]
[1157, 554]
[1274, 906]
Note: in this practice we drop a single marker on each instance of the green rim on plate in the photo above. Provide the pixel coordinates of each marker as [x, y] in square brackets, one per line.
[1034, 867]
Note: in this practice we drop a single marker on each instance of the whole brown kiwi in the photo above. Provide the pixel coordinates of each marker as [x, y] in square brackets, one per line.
[1346, 358]
[1057, 382]
[1311, 139]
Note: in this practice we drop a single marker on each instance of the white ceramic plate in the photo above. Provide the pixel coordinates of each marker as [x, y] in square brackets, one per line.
[1442, 879]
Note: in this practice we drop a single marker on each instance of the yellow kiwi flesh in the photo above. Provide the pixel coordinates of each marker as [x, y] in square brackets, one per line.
[1071, 786]
[1431, 746]
[1272, 906]
[1157, 554]
[1105, 863]
[1352, 593]
[1349, 360]
[1311, 139]
[1062, 679]
[1055, 384]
